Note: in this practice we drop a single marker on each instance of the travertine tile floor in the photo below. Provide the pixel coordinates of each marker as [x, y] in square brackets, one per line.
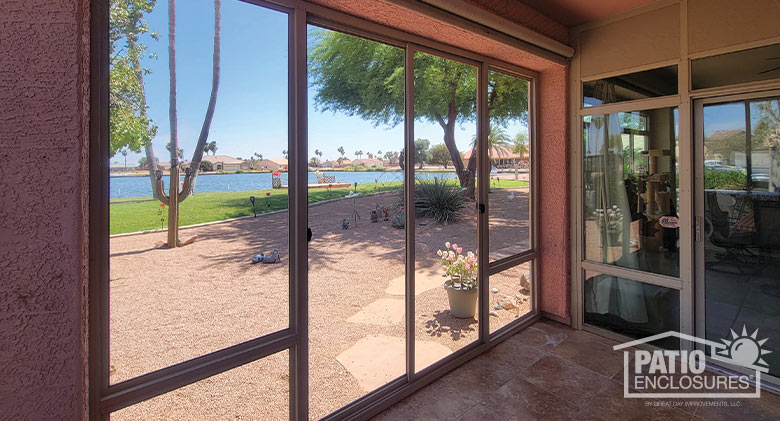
[552, 372]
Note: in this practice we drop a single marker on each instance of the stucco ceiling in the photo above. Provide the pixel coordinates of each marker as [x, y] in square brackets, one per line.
[575, 12]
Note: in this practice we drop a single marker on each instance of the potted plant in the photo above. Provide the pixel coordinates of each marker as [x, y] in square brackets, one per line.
[610, 221]
[461, 284]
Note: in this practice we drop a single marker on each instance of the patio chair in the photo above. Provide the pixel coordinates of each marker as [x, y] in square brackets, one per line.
[722, 232]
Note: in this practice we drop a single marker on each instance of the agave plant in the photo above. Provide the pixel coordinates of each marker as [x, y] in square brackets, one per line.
[438, 201]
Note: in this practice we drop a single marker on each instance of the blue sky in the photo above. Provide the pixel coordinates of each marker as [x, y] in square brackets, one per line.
[251, 111]
[724, 117]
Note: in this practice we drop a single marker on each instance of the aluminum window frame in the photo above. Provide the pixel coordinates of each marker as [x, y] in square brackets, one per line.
[683, 282]
[105, 398]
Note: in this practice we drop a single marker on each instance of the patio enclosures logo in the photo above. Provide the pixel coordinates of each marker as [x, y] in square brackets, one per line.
[682, 373]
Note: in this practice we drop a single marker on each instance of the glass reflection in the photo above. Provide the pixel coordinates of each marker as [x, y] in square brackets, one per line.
[631, 308]
[741, 230]
[646, 84]
[631, 190]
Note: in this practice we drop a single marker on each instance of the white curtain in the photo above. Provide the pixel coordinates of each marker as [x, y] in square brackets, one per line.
[608, 294]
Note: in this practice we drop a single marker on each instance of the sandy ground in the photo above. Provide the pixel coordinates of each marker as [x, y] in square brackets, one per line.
[168, 306]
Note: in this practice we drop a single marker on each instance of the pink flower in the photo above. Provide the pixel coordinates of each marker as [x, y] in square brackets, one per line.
[468, 266]
[460, 249]
[454, 246]
[451, 259]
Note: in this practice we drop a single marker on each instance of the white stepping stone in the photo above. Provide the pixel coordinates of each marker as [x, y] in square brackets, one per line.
[382, 312]
[378, 359]
[508, 251]
[424, 280]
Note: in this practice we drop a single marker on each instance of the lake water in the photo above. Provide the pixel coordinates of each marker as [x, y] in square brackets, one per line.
[206, 183]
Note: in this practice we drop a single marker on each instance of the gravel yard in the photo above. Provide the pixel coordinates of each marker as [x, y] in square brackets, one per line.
[170, 305]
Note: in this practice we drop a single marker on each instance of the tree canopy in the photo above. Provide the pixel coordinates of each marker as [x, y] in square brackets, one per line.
[357, 77]
[439, 155]
[365, 78]
[129, 125]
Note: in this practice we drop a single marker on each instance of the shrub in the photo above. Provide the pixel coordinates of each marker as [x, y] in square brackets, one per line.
[206, 166]
[436, 200]
[725, 180]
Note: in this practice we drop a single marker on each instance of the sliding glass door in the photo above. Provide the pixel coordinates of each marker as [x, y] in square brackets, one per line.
[631, 222]
[446, 279]
[357, 276]
[738, 209]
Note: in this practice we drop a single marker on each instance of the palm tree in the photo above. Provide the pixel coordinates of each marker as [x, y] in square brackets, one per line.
[284, 152]
[359, 153]
[213, 147]
[179, 152]
[497, 139]
[259, 156]
[520, 147]
[124, 153]
[342, 151]
[520, 144]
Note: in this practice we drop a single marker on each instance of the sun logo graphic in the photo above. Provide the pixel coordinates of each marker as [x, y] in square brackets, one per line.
[650, 372]
[744, 351]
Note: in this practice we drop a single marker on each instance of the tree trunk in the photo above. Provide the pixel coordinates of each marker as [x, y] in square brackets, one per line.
[469, 176]
[197, 156]
[465, 174]
[173, 195]
[148, 150]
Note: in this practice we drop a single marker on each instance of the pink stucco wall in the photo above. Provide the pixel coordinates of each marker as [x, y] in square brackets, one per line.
[553, 150]
[43, 184]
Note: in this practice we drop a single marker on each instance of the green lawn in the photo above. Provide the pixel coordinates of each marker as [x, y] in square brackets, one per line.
[144, 213]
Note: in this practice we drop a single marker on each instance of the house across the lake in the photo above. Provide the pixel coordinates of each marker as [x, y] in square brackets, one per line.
[273, 164]
[119, 167]
[503, 157]
[223, 162]
[368, 162]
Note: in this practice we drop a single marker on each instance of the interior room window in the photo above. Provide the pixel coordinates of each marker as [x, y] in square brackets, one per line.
[633, 86]
[631, 190]
[631, 308]
[753, 65]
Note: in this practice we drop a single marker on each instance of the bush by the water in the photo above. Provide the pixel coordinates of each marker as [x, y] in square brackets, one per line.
[438, 200]
[724, 180]
[206, 166]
